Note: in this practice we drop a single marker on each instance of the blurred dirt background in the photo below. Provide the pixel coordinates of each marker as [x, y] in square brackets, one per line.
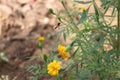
[21, 23]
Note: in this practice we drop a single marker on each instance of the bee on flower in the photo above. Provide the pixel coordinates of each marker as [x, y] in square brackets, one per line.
[53, 68]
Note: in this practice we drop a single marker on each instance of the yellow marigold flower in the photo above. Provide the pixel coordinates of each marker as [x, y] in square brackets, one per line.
[83, 9]
[41, 39]
[62, 51]
[53, 68]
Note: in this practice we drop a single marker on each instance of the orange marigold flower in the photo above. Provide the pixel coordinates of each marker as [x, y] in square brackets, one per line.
[53, 68]
[62, 51]
[41, 39]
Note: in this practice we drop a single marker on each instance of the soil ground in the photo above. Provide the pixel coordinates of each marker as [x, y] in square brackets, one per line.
[21, 23]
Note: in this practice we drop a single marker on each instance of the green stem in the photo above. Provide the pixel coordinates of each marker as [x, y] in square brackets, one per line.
[75, 26]
[118, 28]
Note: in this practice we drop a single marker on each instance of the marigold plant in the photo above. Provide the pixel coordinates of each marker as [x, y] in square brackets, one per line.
[95, 46]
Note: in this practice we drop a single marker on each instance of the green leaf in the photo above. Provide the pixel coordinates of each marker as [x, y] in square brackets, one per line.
[106, 9]
[40, 44]
[98, 44]
[117, 79]
[96, 12]
[45, 58]
[3, 57]
[75, 52]
[83, 2]
[113, 11]
[85, 75]
[83, 16]
[51, 11]
[64, 35]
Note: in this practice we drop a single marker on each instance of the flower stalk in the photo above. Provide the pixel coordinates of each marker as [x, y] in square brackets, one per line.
[40, 42]
[118, 28]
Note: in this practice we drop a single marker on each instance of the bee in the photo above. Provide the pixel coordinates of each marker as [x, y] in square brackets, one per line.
[58, 25]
